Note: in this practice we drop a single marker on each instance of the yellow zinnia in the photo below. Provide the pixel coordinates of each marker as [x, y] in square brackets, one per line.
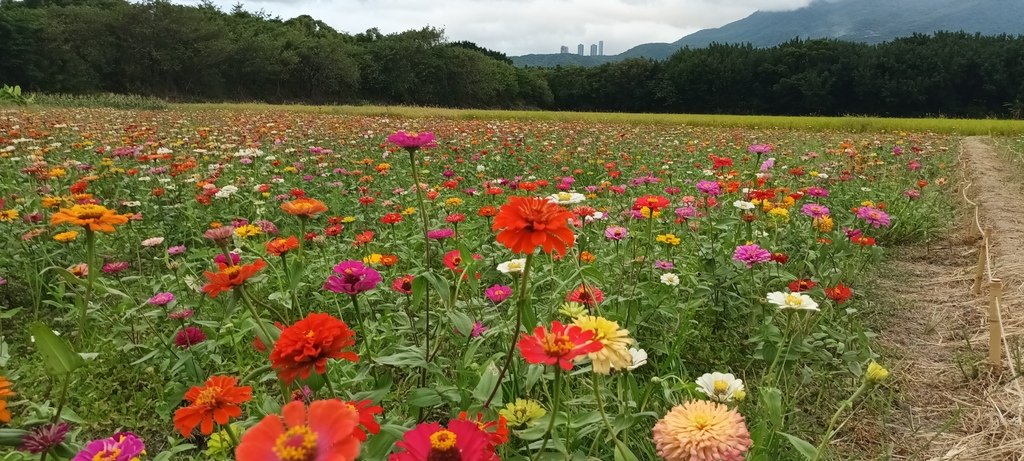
[616, 341]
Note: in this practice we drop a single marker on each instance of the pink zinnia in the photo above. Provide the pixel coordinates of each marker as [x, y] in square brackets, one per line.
[161, 299]
[412, 141]
[814, 210]
[875, 217]
[701, 430]
[616, 233]
[352, 277]
[115, 267]
[442, 233]
[760, 148]
[498, 293]
[709, 187]
[751, 254]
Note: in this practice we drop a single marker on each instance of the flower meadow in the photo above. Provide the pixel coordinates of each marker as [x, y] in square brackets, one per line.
[265, 285]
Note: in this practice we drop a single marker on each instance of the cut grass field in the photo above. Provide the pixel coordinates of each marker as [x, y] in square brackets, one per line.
[965, 127]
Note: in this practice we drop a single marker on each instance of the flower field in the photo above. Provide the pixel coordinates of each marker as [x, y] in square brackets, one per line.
[266, 285]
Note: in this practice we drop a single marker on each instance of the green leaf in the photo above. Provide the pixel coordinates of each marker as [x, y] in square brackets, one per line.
[424, 397]
[801, 445]
[623, 453]
[771, 401]
[58, 356]
[488, 379]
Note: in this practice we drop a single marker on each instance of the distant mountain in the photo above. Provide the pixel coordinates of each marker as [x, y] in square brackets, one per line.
[868, 21]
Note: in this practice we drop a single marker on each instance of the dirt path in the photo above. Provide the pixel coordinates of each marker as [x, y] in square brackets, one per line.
[956, 408]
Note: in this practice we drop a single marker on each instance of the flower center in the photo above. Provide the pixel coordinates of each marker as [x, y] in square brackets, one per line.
[793, 300]
[298, 443]
[107, 455]
[443, 440]
[232, 271]
[208, 397]
[721, 386]
[701, 421]
[557, 345]
[90, 212]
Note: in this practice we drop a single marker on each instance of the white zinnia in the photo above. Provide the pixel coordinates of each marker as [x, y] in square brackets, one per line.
[670, 279]
[639, 358]
[513, 266]
[226, 191]
[721, 387]
[567, 198]
[792, 301]
[152, 241]
[743, 205]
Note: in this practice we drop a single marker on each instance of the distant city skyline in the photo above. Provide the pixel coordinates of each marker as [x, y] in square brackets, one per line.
[517, 27]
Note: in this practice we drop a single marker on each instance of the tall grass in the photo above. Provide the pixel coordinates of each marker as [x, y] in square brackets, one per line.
[851, 124]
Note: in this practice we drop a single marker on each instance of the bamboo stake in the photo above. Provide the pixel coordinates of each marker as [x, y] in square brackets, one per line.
[995, 328]
[982, 266]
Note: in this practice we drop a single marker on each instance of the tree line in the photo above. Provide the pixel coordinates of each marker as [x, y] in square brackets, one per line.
[201, 53]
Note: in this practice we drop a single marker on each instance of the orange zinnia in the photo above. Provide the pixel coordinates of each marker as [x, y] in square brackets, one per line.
[92, 217]
[228, 277]
[217, 400]
[526, 223]
[281, 245]
[325, 431]
[5, 393]
[306, 346]
[304, 207]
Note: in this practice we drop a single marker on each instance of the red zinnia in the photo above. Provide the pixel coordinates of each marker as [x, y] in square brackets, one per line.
[559, 346]
[391, 218]
[524, 223]
[497, 431]
[403, 284]
[799, 285]
[229, 277]
[653, 202]
[217, 400]
[367, 417]
[839, 293]
[307, 344]
[487, 211]
[586, 295]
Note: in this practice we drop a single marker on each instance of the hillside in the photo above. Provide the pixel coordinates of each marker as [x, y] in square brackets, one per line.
[867, 21]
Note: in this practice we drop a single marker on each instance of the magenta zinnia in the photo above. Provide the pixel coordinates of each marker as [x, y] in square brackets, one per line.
[352, 277]
[751, 254]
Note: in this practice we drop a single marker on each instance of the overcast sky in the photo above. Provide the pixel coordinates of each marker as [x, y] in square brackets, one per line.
[518, 27]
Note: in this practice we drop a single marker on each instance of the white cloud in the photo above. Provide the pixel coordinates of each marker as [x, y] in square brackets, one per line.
[527, 26]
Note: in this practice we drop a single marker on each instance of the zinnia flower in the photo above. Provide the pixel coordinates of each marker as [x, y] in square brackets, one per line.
[792, 301]
[352, 277]
[801, 285]
[615, 342]
[522, 412]
[217, 400]
[839, 293]
[586, 295]
[498, 293]
[513, 266]
[875, 217]
[497, 431]
[188, 337]
[367, 418]
[559, 346]
[5, 394]
[524, 223]
[721, 387]
[326, 431]
[651, 202]
[700, 430]
[41, 439]
[123, 446]
[460, 441]
[751, 254]
[161, 299]
[616, 233]
[304, 207]
[229, 277]
[92, 217]
[281, 246]
[876, 373]
[412, 141]
[309, 343]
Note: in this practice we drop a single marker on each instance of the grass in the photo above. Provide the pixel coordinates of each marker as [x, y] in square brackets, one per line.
[990, 127]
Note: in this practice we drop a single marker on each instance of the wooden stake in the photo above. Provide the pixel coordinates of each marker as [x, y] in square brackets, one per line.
[980, 269]
[995, 327]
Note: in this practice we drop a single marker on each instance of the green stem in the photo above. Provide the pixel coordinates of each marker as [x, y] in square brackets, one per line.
[848, 403]
[426, 259]
[555, 401]
[63, 398]
[90, 261]
[231, 434]
[267, 338]
[292, 290]
[520, 305]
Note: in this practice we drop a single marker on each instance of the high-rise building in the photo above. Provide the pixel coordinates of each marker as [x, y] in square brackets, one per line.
[600, 48]
[593, 49]
[564, 50]
[579, 49]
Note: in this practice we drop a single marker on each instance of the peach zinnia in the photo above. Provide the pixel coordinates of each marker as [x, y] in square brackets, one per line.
[217, 400]
[525, 223]
[700, 430]
[92, 217]
[326, 431]
[304, 207]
